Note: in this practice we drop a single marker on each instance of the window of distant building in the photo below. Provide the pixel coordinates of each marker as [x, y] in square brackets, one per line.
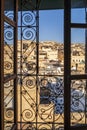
[45, 92]
[44, 95]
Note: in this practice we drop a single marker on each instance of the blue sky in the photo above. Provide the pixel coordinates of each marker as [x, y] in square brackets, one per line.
[52, 25]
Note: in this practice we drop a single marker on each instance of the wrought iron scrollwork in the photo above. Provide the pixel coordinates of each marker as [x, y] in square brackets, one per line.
[43, 95]
[29, 126]
[28, 115]
[7, 65]
[29, 68]
[28, 18]
[9, 114]
[8, 49]
[8, 105]
[43, 126]
[29, 82]
[9, 34]
[78, 101]
[41, 98]
[28, 34]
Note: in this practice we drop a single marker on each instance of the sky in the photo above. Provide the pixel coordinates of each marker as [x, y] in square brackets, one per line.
[52, 25]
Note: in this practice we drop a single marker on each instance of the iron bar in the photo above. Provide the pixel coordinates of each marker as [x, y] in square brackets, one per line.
[15, 62]
[48, 75]
[2, 64]
[39, 122]
[78, 25]
[37, 58]
[79, 127]
[67, 60]
[10, 77]
[9, 21]
[82, 76]
[21, 66]
[86, 62]
[28, 26]
[14, 127]
[39, 2]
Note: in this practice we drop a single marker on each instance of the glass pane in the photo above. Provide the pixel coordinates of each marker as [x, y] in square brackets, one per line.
[78, 102]
[51, 47]
[78, 42]
[51, 101]
[46, 97]
[27, 102]
[8, 105]
[8, 49]
[39, 104]
[27, 99]
[78, 15]
[9, 8]
[28, 43]
[51, 57]
[78, 12]
[29, 57]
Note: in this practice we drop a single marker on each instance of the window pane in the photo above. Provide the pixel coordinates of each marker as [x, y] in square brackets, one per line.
[78, 12]
[28, 57]
[38, 103]
[78, 15]
[27, 99]
[27, 42]
[78, 51]
[8, 49]
[51, 47]
[78, 102]
[8, 104]
[52, 100]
